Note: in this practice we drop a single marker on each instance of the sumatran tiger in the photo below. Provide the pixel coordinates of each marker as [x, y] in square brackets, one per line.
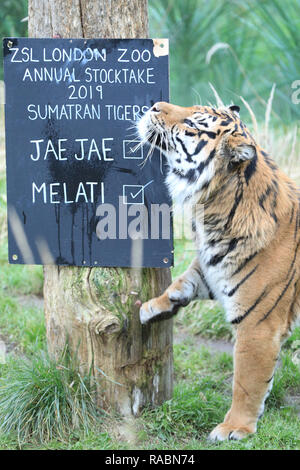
[247, 252]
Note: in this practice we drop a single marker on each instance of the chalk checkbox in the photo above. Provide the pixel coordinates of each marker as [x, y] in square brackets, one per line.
[129, 151]
[134, 193]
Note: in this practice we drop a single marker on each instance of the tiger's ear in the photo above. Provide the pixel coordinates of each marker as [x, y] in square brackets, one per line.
[235, 109]
[237, 149]
[243, 152]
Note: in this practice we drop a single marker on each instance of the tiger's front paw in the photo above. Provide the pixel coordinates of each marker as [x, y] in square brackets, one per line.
[179, 294]
[228, 431]
[158, 309]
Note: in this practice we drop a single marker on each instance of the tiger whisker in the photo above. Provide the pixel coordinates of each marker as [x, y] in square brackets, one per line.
[134, 122]
[165, 141]
[160, 157]
[151, 150]
[134, 135]
[141, 142]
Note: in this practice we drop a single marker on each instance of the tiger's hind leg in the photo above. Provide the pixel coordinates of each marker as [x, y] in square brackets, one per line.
[255, 356]
[181, 292]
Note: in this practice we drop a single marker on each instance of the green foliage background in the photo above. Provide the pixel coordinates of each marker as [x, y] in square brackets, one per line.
[12, 12]
[258, 45]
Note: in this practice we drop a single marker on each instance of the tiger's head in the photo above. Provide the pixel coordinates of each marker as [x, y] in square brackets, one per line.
[203, 146]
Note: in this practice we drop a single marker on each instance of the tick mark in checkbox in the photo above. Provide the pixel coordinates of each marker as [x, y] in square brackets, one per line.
[129, 152]
[134, 193]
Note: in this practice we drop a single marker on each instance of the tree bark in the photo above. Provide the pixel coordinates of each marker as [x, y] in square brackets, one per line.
[93, 309]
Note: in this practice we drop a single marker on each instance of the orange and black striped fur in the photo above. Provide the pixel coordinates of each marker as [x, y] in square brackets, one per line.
[248, 249]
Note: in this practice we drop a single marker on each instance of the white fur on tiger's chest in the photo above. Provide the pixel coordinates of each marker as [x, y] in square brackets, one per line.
[217, 278]
[214, 275]
[181, 188]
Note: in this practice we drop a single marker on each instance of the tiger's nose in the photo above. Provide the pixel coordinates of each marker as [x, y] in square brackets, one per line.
[168, 108]
[160, 106]
[155, 109]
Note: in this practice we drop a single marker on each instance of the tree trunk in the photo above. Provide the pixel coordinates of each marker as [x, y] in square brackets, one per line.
[93, 309]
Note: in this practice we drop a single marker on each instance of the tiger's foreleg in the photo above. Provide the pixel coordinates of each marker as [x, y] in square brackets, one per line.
[256, 353]
[189, 286]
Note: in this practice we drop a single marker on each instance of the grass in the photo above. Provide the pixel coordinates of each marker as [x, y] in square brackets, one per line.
[207, 319]
[41, 399]
[202, 395]
[192, 412]
[23, 326]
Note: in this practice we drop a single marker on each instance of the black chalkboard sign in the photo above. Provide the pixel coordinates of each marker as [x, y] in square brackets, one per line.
[80, 189]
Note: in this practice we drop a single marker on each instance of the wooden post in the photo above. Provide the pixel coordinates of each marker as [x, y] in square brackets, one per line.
[93, 309]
